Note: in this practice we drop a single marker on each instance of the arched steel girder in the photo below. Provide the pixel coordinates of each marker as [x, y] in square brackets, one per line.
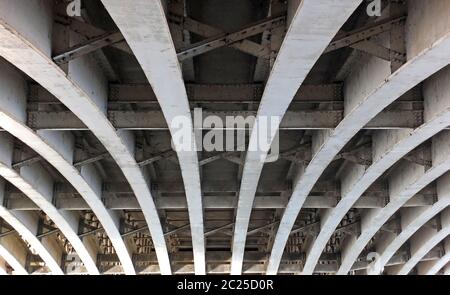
[26, 44]
[389, 147]
[37, 185]
[311, 29]
[146, 20]
[406, 180]
[424, 59]
[434, 266]
[423, 241]
[58, 149]
[412, 220]
[26, 225]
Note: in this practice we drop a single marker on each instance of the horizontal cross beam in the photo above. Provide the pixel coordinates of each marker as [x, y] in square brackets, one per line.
[225, 39]
[197, 93]
[216, 202]
[154, 120]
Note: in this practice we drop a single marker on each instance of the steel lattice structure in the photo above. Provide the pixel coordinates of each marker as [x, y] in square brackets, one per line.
[93, 178]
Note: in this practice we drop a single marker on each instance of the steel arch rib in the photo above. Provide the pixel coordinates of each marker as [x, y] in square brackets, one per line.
[8, 251]
[312, 28]
[438, 118]
[437, 113]
[84, 92]
[58, 149]
[418, 68]
[409, 183]
[424, 241]
[26, 224]
[434, 266]
[414, 219]
[37, 185]
[140, 20]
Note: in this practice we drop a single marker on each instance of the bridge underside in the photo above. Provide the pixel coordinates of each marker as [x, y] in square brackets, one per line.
[91, 184]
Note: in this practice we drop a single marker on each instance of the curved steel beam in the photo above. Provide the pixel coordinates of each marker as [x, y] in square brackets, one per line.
[58, 149]
[434, 266]
[144, 25]
[312, 27]
[26, 225]
[423, 241]
[14, 254]
[424, 60]
[83, 90]
[413, 219]
[437, 115]
[437, 105]
[406, 181]
[38, 186]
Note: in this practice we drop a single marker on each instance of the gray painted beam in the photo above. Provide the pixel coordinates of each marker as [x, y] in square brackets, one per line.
[226, 39]
[26, 225]
[405, 181]
[412, 220]
[154, 120]
[424, 240]
[58, 149]
[310, 31]
[144, 26]
[83, 90]
[14, 254]
[365, 98]
[434, 266]
[390, 146]
[212, 93]
[268, 201]
[35, 183]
